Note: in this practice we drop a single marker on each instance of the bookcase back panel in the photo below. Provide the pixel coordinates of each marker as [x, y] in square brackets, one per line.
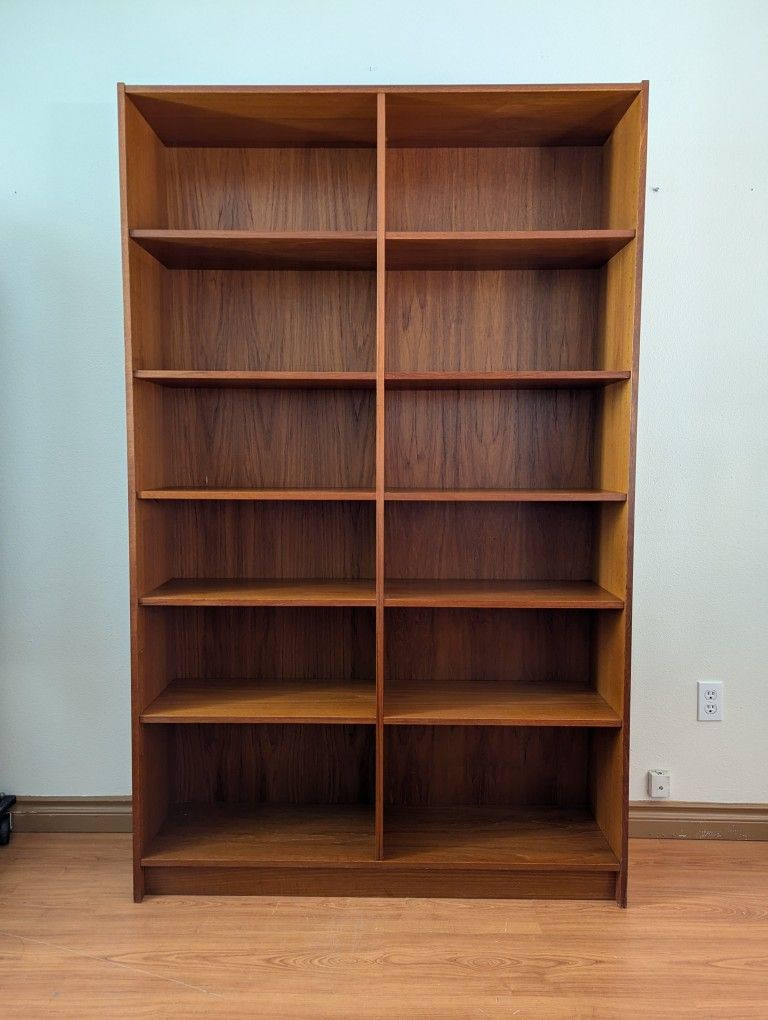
[500, 645]
[269, 540]
[490, 188]
[270, 189]
[493, 766]
[271, 643]
[490, 439]
[492, 321]
[218, 438]
[492, 541]
[267, 321]
[277, 764]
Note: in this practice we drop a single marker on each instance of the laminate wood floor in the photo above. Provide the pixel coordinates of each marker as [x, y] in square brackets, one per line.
[694, 943]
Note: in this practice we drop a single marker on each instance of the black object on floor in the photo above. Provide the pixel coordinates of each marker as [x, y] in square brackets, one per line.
[7, 800]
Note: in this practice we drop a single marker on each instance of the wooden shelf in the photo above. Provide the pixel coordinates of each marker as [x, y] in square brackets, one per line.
[518, 249]
[393, 495]
[505, 496]
[264, 701]
[247, 249]
[393, 380]
[500, 594]
[501, 380]
[267, 380]
[511, 838]
[491, 703]
[253, 495]
[292, 835]
[258, 592]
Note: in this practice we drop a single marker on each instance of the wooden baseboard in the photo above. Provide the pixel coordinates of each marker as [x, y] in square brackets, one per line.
[647, 819]
[655, 819]
[72, 814]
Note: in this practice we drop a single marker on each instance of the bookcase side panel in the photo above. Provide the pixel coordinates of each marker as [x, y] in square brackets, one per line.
[624, 199]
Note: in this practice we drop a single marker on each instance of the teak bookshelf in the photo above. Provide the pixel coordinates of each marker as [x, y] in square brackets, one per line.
[382, 372]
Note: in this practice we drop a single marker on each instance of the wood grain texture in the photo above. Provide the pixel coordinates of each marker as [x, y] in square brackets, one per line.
[265, 539]
[249, 701]
[517, 115]
[500, 594]
[146, 280]
[270, 380]
[607, 761]
[140, 159]
[266, 644]
[272, 764]
[528, 249]
[266, 118]
[500, 380]
[142, 179]
[224, 836]
[504, 496]
[270, 189]
[493, 188]
[381, 360]
[529, 840]
[483, 703]
[495, 321]
[538, 839]
[246, 249]
[151, 761]
[261, 321]
[77, 948]
[234, 438]
[260, 592]
[127, 137]
[489, 541]
[624, 195]
[269, 495]
[488, 645]
[382, 878]
[432, 428]
[495, 439]
[485, 766]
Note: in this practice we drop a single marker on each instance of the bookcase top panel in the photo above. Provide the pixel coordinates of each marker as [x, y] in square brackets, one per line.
[345, 116]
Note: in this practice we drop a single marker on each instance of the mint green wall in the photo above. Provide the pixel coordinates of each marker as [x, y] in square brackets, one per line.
[702, 542]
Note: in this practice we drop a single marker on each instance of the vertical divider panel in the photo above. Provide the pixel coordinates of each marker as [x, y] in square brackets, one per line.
[381, 153]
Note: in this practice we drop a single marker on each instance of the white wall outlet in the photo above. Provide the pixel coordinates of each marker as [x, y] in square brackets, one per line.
[710, 694]
[658, 783]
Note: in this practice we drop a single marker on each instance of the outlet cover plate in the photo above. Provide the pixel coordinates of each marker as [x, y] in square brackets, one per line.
[710, 700]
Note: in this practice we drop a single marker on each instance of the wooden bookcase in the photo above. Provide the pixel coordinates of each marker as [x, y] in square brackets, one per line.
[382, 374]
